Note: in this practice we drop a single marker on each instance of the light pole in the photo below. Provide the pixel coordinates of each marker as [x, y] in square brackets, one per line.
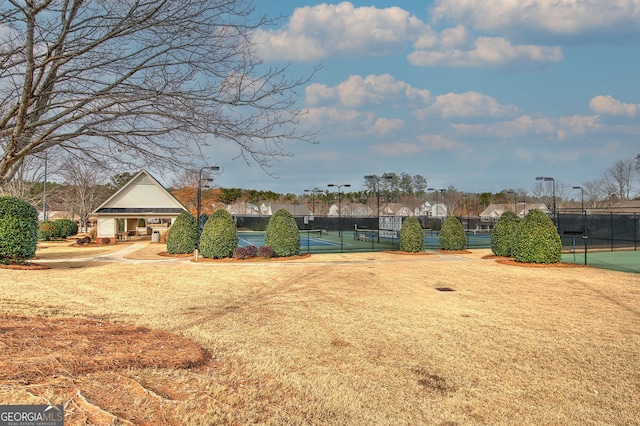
[199, 201]
[314, 192]
[584, 222]
[553, 181]
[466, 198]
[377, 180]
[444, 202]
[346, 185]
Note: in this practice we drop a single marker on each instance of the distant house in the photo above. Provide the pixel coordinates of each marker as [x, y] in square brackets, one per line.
[243, 208]
[425, 209]
[493, 212]
[350, 210]
[140, 207]
[294, 209]
[395, 209]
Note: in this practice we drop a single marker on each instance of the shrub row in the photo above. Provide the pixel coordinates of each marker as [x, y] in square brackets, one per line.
[534, 239]
[57, 229]
[219, 237]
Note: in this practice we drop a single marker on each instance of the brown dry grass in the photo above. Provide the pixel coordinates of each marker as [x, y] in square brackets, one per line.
[347, 339]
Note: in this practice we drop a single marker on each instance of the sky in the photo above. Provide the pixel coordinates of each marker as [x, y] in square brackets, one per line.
[482, 95]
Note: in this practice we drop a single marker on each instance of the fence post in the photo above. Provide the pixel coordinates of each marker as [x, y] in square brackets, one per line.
[611, 229]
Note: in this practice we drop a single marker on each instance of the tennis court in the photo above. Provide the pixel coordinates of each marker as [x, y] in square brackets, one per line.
[331, 241]
[624, 261]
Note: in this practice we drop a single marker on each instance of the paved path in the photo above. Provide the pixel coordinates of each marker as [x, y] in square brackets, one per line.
[115, 256]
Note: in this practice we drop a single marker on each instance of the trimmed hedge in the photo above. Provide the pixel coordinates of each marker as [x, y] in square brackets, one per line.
[182, 237]
[411, 235]
[537, 240]
[452, 236]
[47, 230]
[18, 230]
[503, 236]
[66, 228]
[282, 234]
[219, 237]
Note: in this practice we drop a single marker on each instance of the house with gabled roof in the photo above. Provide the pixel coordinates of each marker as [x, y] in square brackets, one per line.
[294, 209]
[141, 207]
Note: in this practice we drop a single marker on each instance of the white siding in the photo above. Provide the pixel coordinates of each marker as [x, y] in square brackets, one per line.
[106, 227]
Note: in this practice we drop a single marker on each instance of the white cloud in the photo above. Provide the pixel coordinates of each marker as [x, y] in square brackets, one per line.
[326, 30]
[485, 52]
[358, 91]
[385, 126]
[399, 149]
[315, 32]
[541, 18]
[469, 104]
[611, 106]
[437, 142]
[525, 125]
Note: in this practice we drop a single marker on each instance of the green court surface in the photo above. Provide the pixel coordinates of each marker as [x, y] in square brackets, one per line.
[624, 261]
[332, 241]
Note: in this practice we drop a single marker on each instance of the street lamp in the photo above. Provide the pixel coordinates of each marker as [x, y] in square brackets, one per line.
[346, 185]
[553, 181]
[314, 192]
[199, 201]
[377, 179]
[444, 202]
[584, 222]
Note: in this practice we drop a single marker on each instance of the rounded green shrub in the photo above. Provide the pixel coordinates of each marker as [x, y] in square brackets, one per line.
[452, 236]
[47, 230]
[537, 240]
[182, 237]
[282, 234]
[18, 230]
[411, 235]
[66, 228]
[503, 236]
[219, 238]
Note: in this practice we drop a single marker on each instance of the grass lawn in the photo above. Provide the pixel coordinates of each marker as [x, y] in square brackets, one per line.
[331, 339]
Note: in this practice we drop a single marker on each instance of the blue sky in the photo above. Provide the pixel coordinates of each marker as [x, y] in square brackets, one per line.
[484, 95]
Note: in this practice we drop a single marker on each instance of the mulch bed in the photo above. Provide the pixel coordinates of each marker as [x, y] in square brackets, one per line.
[507, 261]
[455, 251]
[408, 253]
[25, 267]
[252, 259]
[38, 348]
[167, 254]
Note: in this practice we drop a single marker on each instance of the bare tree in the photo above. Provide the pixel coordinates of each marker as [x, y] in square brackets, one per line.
[85, 188]
[595, 193]
[139, 81]
[619, 177]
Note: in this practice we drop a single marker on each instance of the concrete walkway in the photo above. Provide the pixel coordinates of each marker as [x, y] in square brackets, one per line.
[117, 256]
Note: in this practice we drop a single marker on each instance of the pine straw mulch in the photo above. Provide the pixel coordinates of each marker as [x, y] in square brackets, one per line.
[87, 362]
[233, 259]
[24, 266]
[510, 261]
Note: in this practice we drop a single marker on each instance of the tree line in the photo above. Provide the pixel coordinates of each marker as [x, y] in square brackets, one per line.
[81, 187]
